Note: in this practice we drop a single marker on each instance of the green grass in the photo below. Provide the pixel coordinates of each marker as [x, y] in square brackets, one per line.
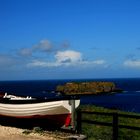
[98, 132]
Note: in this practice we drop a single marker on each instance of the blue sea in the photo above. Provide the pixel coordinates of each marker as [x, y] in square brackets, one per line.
[129, 100]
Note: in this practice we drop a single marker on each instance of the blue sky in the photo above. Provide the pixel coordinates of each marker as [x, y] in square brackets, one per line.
[62, 39]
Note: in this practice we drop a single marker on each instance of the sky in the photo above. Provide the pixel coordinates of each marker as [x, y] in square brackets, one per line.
[69, 39]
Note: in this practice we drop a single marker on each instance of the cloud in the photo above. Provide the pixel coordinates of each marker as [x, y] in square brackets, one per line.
[46, 55]
[41, 63]
[132, 63]
[62, 58]
[25, 52]
[67, 58]
[95, 62]
[43, 45]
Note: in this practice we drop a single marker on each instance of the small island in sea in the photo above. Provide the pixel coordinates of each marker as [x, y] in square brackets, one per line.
[82, 88]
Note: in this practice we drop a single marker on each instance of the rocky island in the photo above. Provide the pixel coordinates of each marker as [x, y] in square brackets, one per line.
[73, 88]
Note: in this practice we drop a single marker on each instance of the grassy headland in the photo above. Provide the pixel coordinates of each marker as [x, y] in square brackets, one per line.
[98, 132]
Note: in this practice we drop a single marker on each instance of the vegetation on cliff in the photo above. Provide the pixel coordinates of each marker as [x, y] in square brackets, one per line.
[86, 88]
[99, 132]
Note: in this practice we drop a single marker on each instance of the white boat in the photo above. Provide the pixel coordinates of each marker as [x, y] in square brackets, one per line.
[27, 107]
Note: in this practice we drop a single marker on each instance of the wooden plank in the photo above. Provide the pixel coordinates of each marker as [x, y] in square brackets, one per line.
[129, 116]
[73, 121]
[97, 113]
[79, 122]
[115, 126]
[96, 122]
[129, 127]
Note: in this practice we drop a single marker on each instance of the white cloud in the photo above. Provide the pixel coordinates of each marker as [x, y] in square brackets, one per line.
[39, 63]
[68, 56]
[95, 62]
[132, 63]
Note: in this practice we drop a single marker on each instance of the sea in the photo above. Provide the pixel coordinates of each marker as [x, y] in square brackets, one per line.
[128, 100]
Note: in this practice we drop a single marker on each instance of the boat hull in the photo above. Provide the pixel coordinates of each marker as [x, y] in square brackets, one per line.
[47, 121]
[57, 112]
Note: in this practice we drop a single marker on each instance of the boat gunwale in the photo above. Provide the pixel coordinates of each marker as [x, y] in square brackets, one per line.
[35, 100]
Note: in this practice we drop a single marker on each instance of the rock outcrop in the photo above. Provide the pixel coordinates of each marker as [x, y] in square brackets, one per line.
[87, 88]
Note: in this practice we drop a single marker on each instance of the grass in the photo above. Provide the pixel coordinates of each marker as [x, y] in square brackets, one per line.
[97, 132]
